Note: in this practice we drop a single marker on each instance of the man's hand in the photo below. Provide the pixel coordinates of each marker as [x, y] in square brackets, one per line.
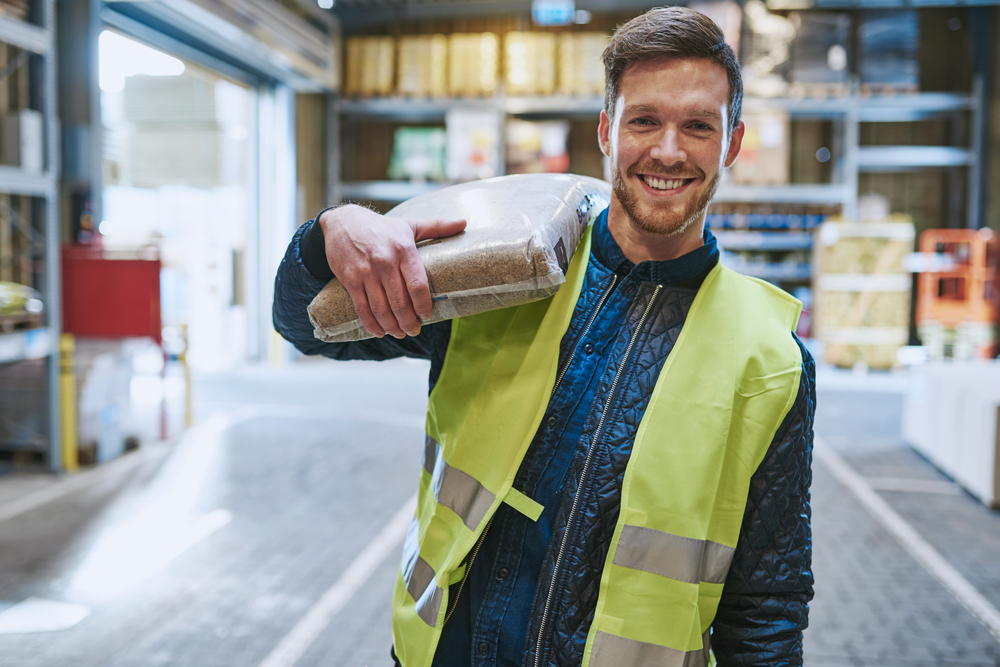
[375, 258]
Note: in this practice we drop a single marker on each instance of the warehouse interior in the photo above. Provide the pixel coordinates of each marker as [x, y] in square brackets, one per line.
[158, 156]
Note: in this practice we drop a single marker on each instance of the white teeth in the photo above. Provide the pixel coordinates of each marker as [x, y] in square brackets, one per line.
[661, 184]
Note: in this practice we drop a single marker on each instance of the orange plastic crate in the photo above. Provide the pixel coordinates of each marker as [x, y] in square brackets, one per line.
[967, 295]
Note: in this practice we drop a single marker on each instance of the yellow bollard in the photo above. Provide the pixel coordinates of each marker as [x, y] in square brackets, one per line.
[67, 396]
[276, 349]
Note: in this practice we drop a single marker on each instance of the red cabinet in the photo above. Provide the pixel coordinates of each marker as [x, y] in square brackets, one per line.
[110, 294]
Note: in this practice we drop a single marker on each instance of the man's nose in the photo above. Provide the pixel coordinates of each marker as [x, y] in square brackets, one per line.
[669, 149]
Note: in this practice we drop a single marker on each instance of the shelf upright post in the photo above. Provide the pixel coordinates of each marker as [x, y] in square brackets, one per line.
[849, 208]
[837, 151]
[955, 173]
[976, 153]
[96, 167]
[52, 235]
[503, 115]
[333, 187]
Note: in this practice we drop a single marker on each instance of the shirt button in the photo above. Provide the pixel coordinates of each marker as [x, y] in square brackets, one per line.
[502, 573]
[588, 348]
[484, 648]
[550, 422]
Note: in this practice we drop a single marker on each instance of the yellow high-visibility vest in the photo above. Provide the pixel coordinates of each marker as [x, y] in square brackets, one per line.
[720, 397]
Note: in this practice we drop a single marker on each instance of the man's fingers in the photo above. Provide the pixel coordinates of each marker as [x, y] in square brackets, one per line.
[377, 261]
[359, 296]
[415, 278]
[402, 307]
[435, 229]
[381, 310]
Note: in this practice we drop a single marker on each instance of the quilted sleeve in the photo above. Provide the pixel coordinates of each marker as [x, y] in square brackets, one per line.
[294, 289]
[764, 606]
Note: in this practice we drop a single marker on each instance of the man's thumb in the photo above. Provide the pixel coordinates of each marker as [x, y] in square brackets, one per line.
[436, 229]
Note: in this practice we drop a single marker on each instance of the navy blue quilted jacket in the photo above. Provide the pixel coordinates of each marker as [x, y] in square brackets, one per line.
[500, 614]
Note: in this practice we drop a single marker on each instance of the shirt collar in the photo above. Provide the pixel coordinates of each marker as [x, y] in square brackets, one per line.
[686, 267]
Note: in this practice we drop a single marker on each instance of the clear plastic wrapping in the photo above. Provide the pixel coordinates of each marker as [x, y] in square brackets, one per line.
[522, 232]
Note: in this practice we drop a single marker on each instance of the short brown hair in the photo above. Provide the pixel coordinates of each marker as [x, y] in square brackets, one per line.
[671, 32]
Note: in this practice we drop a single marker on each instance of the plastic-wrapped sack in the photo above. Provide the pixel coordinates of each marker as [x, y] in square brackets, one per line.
[522, 232]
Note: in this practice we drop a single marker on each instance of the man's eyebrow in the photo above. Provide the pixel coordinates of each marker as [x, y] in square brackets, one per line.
[640, 108]
[705, 113]
[692, 113]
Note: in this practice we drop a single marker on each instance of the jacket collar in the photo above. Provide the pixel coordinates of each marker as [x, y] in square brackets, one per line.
[695, 264]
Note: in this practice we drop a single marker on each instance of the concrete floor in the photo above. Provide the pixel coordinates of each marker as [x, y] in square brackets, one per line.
[266, 535]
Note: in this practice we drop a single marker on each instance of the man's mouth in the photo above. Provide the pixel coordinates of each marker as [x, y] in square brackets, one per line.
[665, 183]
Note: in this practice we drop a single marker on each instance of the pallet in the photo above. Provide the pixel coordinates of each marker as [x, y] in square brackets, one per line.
[20, 322]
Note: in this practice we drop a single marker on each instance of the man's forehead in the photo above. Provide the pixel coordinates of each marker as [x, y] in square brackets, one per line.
[698, 84]
[667, 62]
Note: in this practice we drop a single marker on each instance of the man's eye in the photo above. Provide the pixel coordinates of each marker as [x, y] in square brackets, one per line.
[641, 121]
[702, 126]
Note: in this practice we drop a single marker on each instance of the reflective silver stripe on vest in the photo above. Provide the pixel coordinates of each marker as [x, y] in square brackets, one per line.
[411, 550]
[455, 489]
[428, 598]
[681, 558]
[613, 651]
[430, 453]
[419, 578]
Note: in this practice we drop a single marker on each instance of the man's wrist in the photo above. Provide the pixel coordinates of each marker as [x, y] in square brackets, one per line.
[312, 249]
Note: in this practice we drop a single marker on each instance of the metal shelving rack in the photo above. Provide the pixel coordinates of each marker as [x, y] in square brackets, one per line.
[851, 159]
[42, 342]
[848, 112]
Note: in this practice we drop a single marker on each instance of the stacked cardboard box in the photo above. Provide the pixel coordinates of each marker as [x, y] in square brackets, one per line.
[423, 65]
[530, 63]
[175, 100]
[176, 133]
[765, 157]
[862, 303]
[369, 67]
[581, 71]
[468, 64]
[473, 63]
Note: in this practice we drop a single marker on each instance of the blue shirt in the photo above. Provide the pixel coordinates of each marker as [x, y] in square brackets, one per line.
[489, 622]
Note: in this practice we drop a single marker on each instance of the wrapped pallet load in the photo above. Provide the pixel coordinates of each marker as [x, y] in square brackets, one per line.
[521, 234]
[862, 303]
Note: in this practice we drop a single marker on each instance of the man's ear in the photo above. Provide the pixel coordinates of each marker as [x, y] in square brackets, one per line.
[735, 144]
[604, 133]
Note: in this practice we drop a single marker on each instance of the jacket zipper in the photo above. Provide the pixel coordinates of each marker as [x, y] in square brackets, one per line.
[562, 374]
[468, 569]
[583, 335]
[583, 478]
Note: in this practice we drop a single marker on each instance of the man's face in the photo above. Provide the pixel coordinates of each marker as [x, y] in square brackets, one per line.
[668, 142]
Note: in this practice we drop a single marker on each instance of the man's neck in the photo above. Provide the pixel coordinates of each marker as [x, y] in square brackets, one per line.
[640, 245]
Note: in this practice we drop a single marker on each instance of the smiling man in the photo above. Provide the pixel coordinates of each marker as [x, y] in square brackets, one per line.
[617, 475]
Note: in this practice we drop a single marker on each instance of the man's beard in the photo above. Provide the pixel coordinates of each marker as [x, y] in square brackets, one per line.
[662, 220]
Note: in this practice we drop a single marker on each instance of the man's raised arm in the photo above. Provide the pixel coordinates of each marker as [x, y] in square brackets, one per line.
[376, 260]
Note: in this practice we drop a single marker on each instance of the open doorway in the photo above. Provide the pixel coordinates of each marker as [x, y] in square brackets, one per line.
[177, 149]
